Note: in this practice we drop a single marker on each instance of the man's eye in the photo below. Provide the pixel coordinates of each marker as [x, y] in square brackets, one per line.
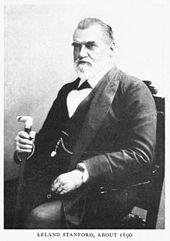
[75, 45]
[90, 46]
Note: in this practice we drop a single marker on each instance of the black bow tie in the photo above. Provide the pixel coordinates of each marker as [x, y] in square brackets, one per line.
[84, 85]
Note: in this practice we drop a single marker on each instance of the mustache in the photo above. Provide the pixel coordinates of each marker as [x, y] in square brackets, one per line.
[82, 61]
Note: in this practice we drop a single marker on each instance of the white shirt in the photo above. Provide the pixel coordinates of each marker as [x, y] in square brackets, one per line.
[75, 97]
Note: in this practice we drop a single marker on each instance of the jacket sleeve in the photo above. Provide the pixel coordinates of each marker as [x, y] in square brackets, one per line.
[138, 137]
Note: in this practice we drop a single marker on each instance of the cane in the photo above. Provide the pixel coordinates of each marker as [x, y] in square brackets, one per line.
[28, 125]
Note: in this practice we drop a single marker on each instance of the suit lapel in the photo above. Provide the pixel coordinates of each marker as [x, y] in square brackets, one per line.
[99, 102]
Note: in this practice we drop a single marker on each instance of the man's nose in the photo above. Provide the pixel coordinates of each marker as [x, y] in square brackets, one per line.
[83, 51]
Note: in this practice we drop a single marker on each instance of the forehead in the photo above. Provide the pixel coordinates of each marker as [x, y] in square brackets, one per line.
[91, 34]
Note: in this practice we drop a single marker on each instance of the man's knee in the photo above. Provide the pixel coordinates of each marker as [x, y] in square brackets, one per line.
[48, 215]
[35, 218]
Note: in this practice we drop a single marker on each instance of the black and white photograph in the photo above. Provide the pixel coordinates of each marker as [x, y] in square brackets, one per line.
[84, 119]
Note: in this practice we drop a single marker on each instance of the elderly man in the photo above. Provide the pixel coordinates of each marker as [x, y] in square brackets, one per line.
[99, 135]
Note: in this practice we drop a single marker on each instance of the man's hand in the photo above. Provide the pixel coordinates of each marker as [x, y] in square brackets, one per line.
[67, 182]
[24, 143]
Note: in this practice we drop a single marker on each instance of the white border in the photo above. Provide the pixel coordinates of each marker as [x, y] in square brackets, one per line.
[30, 235]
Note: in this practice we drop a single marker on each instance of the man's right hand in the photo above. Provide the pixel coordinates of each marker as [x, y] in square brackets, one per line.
[24, 143]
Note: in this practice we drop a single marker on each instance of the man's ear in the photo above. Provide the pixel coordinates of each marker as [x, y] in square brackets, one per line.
[112, 48]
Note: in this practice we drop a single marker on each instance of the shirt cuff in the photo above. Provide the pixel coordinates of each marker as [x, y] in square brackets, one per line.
[82, 167]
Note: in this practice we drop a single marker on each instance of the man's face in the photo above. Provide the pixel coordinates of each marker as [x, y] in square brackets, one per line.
[91, 51]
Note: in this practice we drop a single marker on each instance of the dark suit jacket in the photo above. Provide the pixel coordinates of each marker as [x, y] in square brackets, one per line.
[116, 141]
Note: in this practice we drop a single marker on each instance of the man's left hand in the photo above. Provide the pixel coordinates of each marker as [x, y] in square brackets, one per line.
[67, 182]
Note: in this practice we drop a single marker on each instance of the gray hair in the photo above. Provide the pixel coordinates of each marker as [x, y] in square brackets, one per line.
[107, 30]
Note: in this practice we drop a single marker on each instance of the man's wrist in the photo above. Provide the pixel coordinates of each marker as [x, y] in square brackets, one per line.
[82, 167]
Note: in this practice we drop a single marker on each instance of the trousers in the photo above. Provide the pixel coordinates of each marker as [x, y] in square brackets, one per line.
[46, 216]
[104, 211]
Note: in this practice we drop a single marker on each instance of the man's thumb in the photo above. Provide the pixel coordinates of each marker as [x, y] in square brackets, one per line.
[32, 134]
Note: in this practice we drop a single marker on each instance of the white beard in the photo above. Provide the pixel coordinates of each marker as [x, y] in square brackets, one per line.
[85, 71]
